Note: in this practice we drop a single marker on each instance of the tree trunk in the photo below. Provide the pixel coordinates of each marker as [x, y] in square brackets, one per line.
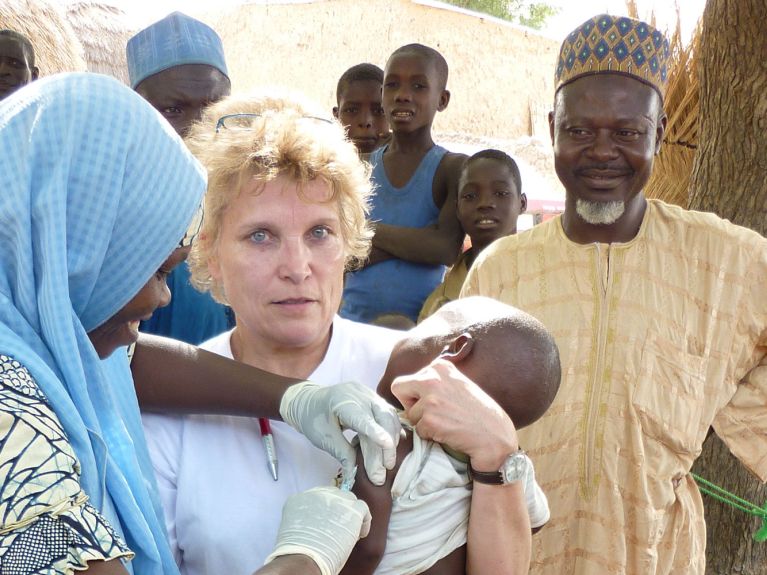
[729, 179]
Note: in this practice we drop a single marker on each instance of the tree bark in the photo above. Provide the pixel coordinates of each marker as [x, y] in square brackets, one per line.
[729, 179]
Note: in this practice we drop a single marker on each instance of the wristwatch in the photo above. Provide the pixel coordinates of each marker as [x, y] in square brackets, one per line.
[514, 468]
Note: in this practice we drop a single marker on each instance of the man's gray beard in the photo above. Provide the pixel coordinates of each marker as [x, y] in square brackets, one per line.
[599, 213]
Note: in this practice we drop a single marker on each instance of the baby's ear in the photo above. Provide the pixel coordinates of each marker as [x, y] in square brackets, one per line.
[458, 349]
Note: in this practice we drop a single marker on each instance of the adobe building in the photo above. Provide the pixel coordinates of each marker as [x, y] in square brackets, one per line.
[501, 75]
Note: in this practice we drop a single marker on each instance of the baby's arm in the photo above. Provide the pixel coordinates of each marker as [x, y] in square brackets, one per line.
[368, 552]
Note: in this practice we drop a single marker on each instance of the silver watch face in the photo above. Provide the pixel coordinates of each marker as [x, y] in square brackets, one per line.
[514, 468]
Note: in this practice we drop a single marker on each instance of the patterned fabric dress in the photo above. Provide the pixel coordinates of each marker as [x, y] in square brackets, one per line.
[660, 338]
[97, 192]
[48, 526]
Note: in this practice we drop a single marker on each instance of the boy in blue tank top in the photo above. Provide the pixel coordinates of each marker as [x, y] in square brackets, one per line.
[417, 232]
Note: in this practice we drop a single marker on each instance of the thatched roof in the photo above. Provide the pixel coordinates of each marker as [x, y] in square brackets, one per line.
[103, 31]
[56, 46]
[672, 170]
[673, 167]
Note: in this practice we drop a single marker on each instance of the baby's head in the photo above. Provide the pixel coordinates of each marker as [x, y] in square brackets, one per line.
[505, 351]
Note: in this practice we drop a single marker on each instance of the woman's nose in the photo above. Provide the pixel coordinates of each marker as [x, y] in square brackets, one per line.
[295, 258]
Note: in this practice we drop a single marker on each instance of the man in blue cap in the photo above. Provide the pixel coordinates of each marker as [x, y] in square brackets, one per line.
[178, 66]
[659, 314]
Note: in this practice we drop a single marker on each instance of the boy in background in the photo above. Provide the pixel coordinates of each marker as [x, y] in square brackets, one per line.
[421, 514]
[490, 200]
[417, 233]
[17, 62]
[177, 65]
[359, 109]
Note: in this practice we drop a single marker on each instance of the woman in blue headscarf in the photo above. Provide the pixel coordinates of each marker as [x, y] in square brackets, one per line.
[97, 192]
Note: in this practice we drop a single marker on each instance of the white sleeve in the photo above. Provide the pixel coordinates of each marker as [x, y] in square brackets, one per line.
[537, 504]
[163, 437]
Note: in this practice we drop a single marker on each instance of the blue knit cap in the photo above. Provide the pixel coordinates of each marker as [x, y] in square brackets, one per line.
[175, 40]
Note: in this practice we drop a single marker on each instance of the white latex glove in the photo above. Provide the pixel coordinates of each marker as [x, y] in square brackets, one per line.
[320, 413]
[324, 524]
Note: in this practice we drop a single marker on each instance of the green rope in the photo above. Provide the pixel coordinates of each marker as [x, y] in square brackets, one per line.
[721, 494]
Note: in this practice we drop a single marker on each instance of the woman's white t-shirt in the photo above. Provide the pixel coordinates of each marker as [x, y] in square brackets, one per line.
[221, 504]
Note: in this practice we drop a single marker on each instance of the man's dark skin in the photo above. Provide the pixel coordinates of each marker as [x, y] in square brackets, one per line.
[17, 64]
[181, 93]
[606, 130]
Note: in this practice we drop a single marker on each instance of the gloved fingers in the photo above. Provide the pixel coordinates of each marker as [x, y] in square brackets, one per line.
[334, 443]
[358, 506]
[371, 417]
[373, 457]
[343, 508]
[378, 444]
[363, 509]
[388, 419]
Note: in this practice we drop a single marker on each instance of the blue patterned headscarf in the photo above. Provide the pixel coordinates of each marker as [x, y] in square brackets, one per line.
[175, 40]
[97, 192]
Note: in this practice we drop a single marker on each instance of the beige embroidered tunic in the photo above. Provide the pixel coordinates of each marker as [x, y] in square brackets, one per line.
[660, 338]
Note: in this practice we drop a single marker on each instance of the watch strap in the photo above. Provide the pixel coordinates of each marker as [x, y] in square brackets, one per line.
[489, 477]
[492, 477]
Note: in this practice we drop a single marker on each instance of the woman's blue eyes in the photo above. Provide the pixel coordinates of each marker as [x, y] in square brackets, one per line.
[320, 232]
[258, 237]
[317, 233]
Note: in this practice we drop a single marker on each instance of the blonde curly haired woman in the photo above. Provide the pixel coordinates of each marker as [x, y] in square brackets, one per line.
[285, 213]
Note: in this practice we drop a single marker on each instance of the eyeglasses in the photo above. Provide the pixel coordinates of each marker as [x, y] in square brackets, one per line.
[245, 121]
[193, 229]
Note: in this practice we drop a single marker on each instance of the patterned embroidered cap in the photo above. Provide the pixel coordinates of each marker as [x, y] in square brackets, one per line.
[618, 45]
[175, 40]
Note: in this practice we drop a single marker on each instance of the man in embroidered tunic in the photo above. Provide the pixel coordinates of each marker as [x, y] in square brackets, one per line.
[660, 315]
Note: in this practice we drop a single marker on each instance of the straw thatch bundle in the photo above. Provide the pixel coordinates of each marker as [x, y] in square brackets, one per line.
[56, 46]
[103, 31]
[670, 178]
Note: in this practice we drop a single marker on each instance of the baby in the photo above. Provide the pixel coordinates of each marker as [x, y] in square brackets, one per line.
[421, 525]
